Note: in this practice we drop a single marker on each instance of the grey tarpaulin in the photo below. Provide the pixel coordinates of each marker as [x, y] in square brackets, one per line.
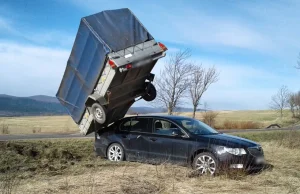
[98, 35]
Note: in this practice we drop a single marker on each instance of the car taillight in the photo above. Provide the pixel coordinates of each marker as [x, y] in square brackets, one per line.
[112, 64]
[162, 46]
[128, 66]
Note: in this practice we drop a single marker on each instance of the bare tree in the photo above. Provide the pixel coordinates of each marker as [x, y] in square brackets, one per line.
[201, 79]
[294, 104]
[173, 81]
[208, 116]
[280, 100]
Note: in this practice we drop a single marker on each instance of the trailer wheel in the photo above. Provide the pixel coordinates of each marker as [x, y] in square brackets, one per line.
[150, 92]
[99, 113]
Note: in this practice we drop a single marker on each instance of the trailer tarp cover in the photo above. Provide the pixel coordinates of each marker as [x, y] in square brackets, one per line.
[98, 35]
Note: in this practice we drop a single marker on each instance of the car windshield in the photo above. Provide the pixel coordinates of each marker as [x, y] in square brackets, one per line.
[196, 127]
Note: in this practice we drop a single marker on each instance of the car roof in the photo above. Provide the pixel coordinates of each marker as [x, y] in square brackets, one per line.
[172, 117]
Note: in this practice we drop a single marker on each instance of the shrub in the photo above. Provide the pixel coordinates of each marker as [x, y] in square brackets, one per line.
[4, 129]
[209, 118]
[36, 130]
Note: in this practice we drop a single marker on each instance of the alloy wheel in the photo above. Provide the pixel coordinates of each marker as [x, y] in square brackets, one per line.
[115, 153]
[206, 164]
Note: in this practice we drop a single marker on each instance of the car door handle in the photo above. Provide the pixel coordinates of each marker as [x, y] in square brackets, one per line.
[125, 136]
[152, 139]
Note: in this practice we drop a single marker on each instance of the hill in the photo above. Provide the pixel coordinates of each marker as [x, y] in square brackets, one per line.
[47, 105]
[29, 106]
[44, 98]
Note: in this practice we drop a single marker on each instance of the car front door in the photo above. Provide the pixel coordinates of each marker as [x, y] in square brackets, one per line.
[168, 142]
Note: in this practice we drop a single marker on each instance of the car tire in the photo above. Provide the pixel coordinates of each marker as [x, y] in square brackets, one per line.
[205, 163]
[99, 113]
[150, 94]
[115, 153]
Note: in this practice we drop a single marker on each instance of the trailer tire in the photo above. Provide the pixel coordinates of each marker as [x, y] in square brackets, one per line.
[150, 93]
[99, 113]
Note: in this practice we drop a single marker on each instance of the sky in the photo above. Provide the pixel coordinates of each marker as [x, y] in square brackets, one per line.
[253, 44]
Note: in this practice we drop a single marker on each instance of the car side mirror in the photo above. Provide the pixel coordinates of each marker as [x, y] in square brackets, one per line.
[177, 133]
[174, 133]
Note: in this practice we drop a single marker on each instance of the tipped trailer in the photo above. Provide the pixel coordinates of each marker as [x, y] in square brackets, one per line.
[108, 69]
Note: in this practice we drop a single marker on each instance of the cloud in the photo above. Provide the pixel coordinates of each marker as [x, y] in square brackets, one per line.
[205, 30]
[29, 69]
[43, 37]
[195, 27]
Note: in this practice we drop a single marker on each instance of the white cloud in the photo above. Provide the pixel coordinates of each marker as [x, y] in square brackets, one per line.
[28, 69]
[206, 30]
[42, 37]
[194, 27]
[58, 38]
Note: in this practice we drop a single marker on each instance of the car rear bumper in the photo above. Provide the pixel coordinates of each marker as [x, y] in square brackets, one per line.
[100, 151]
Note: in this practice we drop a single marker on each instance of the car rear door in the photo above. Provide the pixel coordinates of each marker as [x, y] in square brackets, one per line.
[140, 129]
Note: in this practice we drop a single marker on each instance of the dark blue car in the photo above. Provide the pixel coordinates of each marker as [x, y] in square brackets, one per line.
[179, 140]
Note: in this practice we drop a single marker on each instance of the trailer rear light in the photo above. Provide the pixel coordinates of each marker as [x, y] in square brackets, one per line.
[128, 66]
[112, 64]
[162, 46]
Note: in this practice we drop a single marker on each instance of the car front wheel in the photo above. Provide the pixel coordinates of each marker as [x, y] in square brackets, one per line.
[205, 163]
[115, 152]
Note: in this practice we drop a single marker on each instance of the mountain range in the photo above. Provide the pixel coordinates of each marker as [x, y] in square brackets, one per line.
[47, 105]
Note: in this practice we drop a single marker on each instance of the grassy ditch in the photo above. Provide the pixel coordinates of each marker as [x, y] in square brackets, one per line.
[69, 166]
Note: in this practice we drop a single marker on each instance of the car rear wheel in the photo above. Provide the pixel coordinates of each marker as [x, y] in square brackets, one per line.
[150, 94]
[205, 163]
[99, 113]
[115, 152]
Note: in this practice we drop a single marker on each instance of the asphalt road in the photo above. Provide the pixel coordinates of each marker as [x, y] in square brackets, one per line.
[78, 135]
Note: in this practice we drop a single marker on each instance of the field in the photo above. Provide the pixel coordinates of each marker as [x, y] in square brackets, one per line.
[38, 124]
[263, 118]
[65, 124]
[68, 166]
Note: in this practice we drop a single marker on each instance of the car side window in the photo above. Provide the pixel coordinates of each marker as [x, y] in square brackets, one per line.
[125, 126]
[163, 127]
[137, 125]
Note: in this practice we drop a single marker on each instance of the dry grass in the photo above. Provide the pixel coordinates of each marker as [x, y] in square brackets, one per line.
[90, 175]
[239, 125]
[143, 178]
[63, 124]
[39, 124]
[263, 118]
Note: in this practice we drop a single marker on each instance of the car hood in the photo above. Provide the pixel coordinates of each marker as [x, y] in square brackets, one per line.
[229, 140]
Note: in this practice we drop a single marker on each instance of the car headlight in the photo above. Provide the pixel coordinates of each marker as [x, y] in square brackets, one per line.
[235, 151]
